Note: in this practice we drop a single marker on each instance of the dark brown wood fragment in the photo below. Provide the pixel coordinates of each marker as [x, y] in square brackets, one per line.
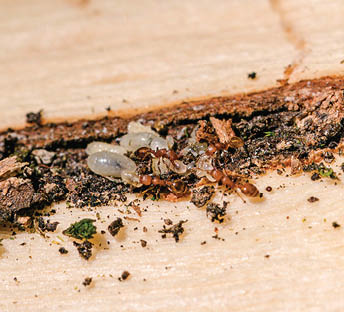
[15, 194]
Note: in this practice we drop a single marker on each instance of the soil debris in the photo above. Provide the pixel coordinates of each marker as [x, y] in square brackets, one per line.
[176, 230]
[335, 225]
[201, 196]
[43, 156]
[47, 226]
[313, 199]
[115, 226]
[87, 281]
[84, 249]
[34, 118]
[63, 251]
[216, 213]
[124, 276]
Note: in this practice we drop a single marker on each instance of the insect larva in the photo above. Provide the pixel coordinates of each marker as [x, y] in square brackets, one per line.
[110, 164]
[134, 141]
[97, 146]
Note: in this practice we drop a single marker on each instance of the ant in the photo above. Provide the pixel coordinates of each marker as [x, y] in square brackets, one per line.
[177, 187]
[246, 188]
[221, 177]
[144, 152]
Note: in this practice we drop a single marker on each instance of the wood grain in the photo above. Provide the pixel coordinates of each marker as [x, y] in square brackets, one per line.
[75, 58]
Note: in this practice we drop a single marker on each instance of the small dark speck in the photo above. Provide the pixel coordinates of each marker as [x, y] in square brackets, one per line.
[34, 118]
[87, 281]
[267, 256]
[102, 232]
[335, 224]
[63, 251]
[312, 199]
[252, 75]
[315, 176]
[108, 109]
[168, 221]
[268, 188]
[218, 238]
[143, 243]
[203, 243]
[124, 276]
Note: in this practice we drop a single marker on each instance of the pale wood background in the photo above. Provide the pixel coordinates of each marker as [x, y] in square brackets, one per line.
[74, 58]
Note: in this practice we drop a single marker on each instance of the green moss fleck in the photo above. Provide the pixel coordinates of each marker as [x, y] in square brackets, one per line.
[84, 229]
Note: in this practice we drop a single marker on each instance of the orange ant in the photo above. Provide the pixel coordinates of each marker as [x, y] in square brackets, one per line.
[178, 187]
[144, 152]
[246, 188]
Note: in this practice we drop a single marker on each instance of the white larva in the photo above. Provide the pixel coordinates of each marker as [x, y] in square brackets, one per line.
[134, 141]
[108, 160]
[110, 164]
[158, 143]
[136, 127]
[97, 146]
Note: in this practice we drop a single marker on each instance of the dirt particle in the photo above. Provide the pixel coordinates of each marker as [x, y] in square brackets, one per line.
[87, 281]
[252, 75]
[84, 249]
[168, 221]
[315, 176]
[215, 212]
[124, 276]
[217, 237]
[313, 199]
[176, 230]
[47, 226]
[115, 226]
[34, 118]
[335, 225]
[63, 251]
[201, 196]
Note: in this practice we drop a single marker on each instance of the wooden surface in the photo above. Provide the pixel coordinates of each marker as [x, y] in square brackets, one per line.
[75, 58]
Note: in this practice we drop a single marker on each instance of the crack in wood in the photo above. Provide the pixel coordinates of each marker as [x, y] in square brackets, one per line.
[293, 36]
